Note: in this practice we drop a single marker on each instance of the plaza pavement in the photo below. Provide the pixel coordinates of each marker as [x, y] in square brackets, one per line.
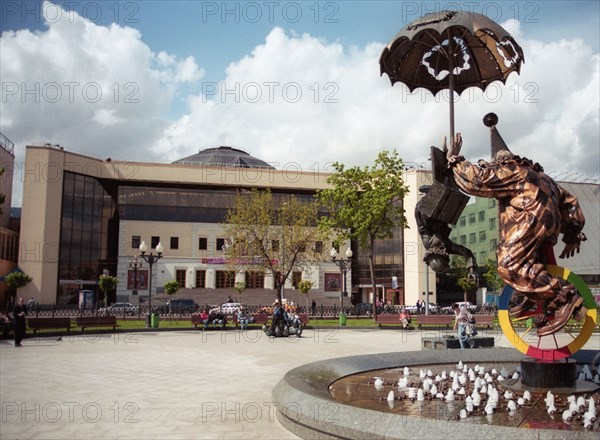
[168, 385]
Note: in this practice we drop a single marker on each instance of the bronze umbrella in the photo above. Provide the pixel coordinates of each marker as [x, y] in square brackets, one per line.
[474, 48]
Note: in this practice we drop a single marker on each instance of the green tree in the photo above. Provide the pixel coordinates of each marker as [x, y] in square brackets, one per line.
[274, 236]
[239, 288]
[304, 286]
[494, 282]
[171, 287]
[17, 279]
[458, 270]
[106, 283]
[365, 204]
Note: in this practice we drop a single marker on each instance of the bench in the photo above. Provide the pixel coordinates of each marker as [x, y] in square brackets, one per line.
[36, 324]
[388, 319]
[487, 320]
[197, 321]
[97, 321]
[435, 319]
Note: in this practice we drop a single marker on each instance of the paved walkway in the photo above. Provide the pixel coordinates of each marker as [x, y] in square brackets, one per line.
[167, 385]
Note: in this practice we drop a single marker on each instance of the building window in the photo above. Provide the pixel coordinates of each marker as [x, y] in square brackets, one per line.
[135, 242]
[463, 239]
[154, 242]
[255, 280]
[202, 243]
[296, 278]
[482, 236]
[462, 221]
[492, 224]
[180, 277]
[174, 242]
[481, 216]
[318, 247]
[472, 237]
[491, 203]
[472, 218]
[224, 279]
[493, 243]
[275, 245]
[482, 256]
[220, 244]
[200, 279]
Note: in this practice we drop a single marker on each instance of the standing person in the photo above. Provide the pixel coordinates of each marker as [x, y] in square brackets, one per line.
[19, 314]
[461, 319]
[418, 305]
[313, 306]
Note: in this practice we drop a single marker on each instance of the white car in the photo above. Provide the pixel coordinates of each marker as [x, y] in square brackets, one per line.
[228, 308]
[433, 308]
[119, 309]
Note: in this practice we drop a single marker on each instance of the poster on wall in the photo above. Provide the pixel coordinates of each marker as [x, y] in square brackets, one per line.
[142, 279]
[333, 281]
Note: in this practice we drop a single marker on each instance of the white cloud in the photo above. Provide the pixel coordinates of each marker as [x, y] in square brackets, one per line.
[294, 98]
[87, 87]
[347, 113]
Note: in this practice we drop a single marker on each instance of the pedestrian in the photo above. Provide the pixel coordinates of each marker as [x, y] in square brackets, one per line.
[19, 314]
[313, 306]
[461, 319]
[418, 305]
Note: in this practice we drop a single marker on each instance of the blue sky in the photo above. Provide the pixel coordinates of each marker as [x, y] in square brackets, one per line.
[176, 61]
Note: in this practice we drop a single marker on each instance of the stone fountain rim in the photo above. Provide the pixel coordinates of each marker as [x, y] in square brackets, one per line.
[305, 407]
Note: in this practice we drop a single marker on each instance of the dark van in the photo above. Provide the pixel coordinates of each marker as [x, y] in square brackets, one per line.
[182, 306]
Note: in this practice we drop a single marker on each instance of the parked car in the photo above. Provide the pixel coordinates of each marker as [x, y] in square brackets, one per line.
[182, 306]
[433, 308]
[228, 308]
[361, 309]
[470, 307]
[119, 309]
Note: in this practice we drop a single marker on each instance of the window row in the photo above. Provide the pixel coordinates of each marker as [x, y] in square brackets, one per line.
[203, 243]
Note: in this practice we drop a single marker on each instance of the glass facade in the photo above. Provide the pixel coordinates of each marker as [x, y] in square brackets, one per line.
[89, 230]
[389, 262]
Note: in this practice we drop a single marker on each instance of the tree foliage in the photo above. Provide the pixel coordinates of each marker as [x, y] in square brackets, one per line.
[458, 270]
[365, 204]
[494, 282]
[272, 235]
[171, 287]
[106, 283]
[17, 279]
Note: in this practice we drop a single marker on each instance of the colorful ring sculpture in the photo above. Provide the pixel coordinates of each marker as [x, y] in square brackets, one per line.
[558, 352]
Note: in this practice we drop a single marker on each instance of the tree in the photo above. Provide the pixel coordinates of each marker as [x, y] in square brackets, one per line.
[171, 287]
[106, 284]
[17, 279]
[494, 282]
[365, 204]
[304, 286]
[239, 288]
[272, 235]
[458, 270]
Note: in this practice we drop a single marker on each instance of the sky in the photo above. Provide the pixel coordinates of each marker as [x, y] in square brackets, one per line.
[295, 83]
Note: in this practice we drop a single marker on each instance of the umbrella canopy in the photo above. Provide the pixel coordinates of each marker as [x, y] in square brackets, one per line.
[451, 50]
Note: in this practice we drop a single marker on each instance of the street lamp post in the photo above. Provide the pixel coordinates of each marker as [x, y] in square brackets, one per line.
[344, 265]
[150, 259]
[135, 264]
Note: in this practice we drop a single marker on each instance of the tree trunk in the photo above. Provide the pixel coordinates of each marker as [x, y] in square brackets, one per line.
[372, 273]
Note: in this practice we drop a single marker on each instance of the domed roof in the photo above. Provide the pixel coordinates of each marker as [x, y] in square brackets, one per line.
[224, 157]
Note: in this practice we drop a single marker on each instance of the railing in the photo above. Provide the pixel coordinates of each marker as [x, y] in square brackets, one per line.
[7, 144]
[320, 311]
